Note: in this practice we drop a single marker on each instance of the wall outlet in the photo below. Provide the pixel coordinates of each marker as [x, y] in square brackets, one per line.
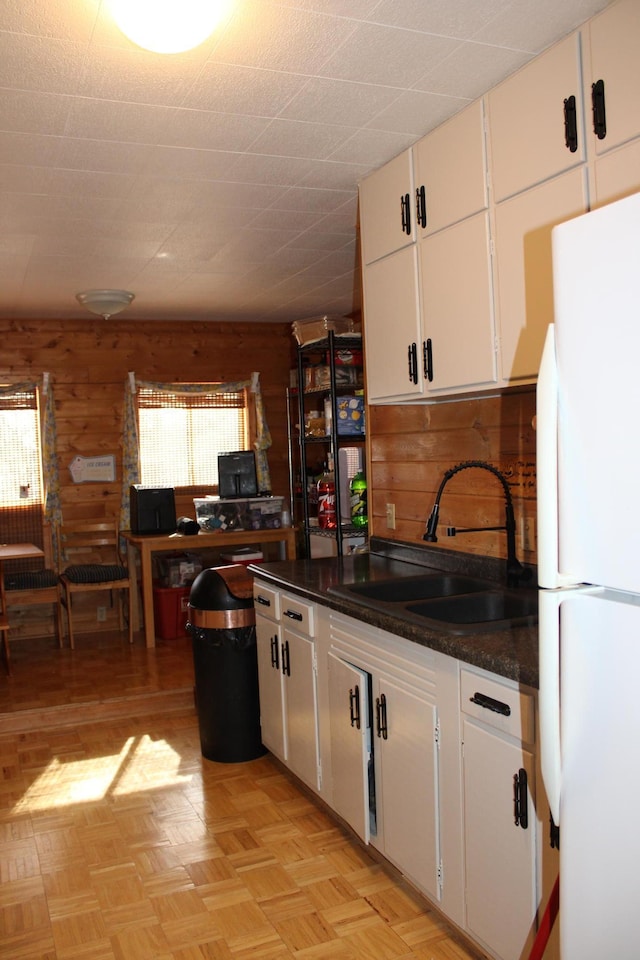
[102, 614]
[391, 516]
[528, 534]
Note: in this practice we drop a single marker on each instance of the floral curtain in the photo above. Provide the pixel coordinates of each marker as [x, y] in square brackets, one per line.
[50, 474]
[131, 452]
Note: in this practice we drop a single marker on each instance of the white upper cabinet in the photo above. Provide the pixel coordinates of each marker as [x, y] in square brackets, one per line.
[387, 209]
[536, 128]
[450, 171]
[612, 77]
[458, 336]
[392, 328]
[524, 274]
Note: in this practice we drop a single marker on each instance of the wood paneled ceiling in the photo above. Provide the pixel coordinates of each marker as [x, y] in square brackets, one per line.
[222, 183]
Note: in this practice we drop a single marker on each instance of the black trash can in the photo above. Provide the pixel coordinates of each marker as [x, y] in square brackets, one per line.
[225, 659]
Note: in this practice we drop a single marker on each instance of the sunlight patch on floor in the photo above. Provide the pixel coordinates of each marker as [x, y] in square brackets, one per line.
[141, 764]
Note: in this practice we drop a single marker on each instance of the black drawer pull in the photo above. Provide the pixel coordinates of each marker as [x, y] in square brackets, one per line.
[520, 804]
[599, 111]
[570, 124]
[421, 206]
[427, 359]
[293, 615]
[496, 706]
[262, 600]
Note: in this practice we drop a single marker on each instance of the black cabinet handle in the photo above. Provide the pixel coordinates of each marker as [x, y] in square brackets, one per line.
[520, 803]
[599, 110]
[354, 707]
[413, 363]
[405, 213]
[497, 706]
[293, 615]
[570, 124]
[421, 206]
[275, 660]
[262, 600]
[286, 662]
[427, 360]
[381, 716]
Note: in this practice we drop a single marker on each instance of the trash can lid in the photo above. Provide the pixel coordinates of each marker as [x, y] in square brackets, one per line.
[222, 588]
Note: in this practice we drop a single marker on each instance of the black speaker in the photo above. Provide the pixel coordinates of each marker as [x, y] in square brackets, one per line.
[153, 509]
[237, 474]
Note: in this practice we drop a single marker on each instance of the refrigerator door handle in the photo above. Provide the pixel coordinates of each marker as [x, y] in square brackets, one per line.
[547, 468]
[549, 696]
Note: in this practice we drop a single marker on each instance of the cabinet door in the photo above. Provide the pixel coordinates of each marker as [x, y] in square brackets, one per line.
[457, 305]
[450, 166]
[301, 707]
[524, 279]
[616, 174]
[392, 328]
[387, 209]
[527, 122]
[350, 743]
[407, 796]
[270, 683]
[500, 868]
[612, 39]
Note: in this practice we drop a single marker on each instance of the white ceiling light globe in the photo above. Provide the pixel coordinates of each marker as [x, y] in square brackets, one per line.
[168, 26]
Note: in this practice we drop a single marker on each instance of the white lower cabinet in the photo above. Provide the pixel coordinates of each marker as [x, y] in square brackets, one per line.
[428, 759]
[384, 748]
[287, 675]
[503, 818]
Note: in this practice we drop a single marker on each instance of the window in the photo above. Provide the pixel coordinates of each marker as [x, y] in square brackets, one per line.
[181, 434]
[21, 486]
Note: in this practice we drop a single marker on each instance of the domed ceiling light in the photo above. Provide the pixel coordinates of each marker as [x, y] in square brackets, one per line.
[168, 26]
[105, 303]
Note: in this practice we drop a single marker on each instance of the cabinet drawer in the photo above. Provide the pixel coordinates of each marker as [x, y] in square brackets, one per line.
[266, 601]
[298, 614]
[497, 705]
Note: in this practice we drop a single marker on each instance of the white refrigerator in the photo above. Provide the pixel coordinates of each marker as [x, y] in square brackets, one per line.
[588, 467]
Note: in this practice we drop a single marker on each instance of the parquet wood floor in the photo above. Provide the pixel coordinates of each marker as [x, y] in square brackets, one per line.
[118, 841]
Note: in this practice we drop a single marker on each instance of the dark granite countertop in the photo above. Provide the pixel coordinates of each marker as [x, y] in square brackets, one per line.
[509, 653]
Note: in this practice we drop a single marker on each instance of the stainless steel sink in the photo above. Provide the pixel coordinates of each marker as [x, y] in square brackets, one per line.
[405, 589]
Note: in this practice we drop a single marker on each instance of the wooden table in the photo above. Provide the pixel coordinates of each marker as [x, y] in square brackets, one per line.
[147, 544]
[12, 551]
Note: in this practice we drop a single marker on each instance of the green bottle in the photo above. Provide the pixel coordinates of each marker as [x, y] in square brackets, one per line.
[358, 500]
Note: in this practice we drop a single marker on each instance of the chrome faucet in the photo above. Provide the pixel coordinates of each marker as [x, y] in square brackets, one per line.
[516, 573]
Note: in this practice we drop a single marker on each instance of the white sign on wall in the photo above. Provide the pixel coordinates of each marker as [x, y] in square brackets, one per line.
[93, 469]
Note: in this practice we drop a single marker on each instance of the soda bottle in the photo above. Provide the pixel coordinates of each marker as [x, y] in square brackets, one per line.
[358, 500]
[327, 499]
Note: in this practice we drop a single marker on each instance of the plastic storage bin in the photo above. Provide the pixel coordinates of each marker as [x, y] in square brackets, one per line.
[262, 513]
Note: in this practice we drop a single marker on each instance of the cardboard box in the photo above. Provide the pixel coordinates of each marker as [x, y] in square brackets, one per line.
[316, 328]
[178, 570]
[350, 416]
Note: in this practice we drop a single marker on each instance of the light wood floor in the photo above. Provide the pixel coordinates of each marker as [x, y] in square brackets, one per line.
[118, 841]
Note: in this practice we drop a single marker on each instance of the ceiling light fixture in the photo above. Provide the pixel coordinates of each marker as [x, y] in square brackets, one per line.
[168, 26]
[105, 303]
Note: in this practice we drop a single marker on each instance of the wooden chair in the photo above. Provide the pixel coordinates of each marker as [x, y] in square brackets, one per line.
[91, 550]
[33, 587]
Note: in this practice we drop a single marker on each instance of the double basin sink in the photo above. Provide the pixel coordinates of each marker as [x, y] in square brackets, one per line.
[457, 604]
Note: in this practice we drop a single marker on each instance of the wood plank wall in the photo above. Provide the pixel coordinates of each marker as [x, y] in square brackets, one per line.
[89, 360]
[412, 445]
